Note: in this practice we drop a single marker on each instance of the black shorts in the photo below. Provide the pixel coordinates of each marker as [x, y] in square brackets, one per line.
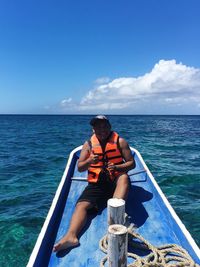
[98, 193]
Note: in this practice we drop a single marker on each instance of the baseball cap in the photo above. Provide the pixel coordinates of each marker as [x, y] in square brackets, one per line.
[97, 119]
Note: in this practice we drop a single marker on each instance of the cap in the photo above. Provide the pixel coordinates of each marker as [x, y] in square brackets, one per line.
[98, 118]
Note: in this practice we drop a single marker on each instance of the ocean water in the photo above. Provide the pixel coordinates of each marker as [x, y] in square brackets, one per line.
[34, 151]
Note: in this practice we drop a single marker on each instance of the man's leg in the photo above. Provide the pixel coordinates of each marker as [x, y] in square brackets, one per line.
[122, 187]
[77, 222]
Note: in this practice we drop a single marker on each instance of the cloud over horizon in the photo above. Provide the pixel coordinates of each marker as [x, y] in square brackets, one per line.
[167, 88]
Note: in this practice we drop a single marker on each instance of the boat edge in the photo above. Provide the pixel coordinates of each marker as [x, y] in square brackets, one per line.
[170, 208]
[51, 210]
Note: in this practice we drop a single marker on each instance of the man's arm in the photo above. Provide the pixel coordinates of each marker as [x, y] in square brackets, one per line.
[86, 158]
[127, 156]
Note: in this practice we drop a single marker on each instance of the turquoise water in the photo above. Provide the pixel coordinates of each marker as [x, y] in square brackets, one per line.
[34, 152]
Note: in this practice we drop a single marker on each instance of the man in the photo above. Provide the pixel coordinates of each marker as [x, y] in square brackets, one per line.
[108, 158]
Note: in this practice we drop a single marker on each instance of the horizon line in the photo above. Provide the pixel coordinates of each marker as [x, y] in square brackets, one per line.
[77, 114]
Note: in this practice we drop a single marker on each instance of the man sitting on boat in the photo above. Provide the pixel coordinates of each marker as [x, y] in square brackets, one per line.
[108, 158]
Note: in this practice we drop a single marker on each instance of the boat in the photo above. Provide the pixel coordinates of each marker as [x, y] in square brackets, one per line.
[147, 207]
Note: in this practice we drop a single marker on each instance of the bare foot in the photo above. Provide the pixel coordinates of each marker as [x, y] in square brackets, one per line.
[65, 243]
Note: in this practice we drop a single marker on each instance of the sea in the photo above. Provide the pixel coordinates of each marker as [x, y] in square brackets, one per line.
[34, 150]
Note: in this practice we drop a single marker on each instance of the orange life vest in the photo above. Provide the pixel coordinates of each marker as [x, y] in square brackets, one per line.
[111, 154]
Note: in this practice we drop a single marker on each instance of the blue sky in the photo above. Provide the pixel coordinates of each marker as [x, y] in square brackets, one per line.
[106, 56]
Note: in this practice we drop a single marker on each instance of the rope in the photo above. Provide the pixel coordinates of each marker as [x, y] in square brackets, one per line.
[169, 255]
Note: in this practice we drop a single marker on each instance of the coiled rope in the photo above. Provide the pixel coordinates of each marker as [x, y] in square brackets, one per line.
[170, 255]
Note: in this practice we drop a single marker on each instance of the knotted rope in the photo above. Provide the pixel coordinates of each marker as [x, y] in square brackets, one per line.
[170, 255]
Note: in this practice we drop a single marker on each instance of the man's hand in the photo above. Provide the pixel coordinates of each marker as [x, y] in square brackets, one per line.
[111, 166]
[93, 159]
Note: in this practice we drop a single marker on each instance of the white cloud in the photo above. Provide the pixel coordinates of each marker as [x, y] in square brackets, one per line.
[169, 85]
[102, 80]
[66, 102]
[66, 105]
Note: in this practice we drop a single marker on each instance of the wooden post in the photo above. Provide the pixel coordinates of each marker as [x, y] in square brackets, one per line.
[116, 211]
[117, 245]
